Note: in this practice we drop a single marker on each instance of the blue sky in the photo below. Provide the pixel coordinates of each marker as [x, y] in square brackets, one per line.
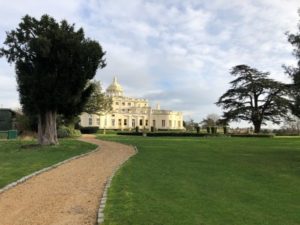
[177, 53]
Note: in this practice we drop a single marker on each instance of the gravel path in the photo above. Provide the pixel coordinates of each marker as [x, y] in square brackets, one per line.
[66, 195]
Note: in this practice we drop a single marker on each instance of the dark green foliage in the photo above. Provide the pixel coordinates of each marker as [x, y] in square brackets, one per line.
[54, 63]
[169, 134]
[214, 130]
[255, 98]
[208, 130]
[253, 135]
[294, 72]
[280, 133]
[89, 130]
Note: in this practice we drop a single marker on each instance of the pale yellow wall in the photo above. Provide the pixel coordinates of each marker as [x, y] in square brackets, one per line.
[128, 109]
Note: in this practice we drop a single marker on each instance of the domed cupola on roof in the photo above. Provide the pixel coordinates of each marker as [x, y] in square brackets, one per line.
[115, 89]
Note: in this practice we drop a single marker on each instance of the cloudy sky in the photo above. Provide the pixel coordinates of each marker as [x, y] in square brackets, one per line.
[174, 52]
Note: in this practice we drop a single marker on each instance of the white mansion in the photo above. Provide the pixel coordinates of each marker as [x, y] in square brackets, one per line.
[128, 113]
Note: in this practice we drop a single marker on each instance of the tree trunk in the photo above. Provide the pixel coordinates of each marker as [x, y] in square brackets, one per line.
[257, 126]
[47, 133]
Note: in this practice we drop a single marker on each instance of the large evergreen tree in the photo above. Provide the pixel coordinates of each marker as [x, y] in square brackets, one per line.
[53, 63]
[294, 72]
[254, 97]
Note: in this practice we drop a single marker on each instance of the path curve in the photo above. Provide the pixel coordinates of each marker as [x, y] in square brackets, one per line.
[66, 195]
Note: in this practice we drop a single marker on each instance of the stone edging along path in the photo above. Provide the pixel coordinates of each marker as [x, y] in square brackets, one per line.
[67, 194]
[23, 179]
[100, 216]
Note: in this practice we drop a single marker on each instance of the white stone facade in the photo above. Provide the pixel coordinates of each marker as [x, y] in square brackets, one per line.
[128, 113]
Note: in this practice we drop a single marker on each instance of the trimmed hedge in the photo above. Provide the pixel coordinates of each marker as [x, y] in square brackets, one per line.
[89, 130]
[253, 135]
[287, 134]
[188, 134]
[170, 134]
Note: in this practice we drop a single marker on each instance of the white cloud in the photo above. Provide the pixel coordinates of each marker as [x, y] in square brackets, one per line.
[177, 53]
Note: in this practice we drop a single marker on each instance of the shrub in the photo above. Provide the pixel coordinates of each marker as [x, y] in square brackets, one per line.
[63, 132]
[287, 134]
[89, 130]
[208, 130]
[171, 134]
[253, 135]
[75, 133]
[107, 131]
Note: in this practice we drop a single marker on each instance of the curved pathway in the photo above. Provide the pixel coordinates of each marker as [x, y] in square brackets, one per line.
[66, 195]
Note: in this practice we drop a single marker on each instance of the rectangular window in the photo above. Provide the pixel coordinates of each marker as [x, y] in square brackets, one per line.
[98, 121]
[163, 123]
[125, 122]
[153, 123]
[179, 123]
[146, 122]
[117, 103]
[90, 121]
[123, 103]
[170, 123]
[133, 122]
[120, 122]
[141, 122]
[129, 104]
[113, 122]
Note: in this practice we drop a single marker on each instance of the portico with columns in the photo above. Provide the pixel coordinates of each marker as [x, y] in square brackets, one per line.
[128, 113]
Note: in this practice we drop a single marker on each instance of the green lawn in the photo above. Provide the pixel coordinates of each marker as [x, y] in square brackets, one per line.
[17, 162]
[212, 181]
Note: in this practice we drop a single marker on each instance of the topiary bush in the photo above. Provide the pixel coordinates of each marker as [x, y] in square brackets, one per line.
[89, 130]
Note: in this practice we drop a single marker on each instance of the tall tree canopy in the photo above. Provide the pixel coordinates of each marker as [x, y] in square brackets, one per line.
[53, 63]
[98, 102]
[211, 120]
[254, 97]
[294, 72]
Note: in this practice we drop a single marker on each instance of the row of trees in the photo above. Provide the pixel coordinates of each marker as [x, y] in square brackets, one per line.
[256, 98]
[55, 64]
[211, 120]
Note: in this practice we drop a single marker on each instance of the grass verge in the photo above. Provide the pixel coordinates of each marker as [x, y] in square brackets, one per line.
[17, 162]
[211, 181]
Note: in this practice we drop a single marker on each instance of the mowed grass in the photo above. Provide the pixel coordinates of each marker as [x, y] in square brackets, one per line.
[17, 162]
[212, 181]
